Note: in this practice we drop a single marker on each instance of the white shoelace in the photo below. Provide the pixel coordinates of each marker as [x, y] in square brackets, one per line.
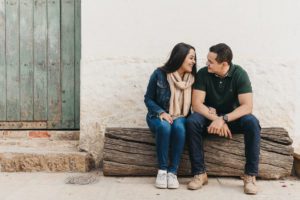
[161, 176]
[173, 178]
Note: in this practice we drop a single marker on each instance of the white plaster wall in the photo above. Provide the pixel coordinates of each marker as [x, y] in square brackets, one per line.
[123, 41]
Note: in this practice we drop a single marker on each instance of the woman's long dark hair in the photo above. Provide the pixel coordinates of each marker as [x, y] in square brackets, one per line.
[177, 57]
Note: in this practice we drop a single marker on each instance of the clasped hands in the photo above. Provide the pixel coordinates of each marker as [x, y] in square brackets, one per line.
[218, 126]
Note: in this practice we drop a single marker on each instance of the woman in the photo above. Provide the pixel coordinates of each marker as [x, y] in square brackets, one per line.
[168, 99]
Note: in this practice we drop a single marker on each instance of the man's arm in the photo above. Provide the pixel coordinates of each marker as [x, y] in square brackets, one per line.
[245, 108]
[215, 127]
[198, 106]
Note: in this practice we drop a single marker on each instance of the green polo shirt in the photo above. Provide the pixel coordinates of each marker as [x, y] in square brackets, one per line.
[222, 93]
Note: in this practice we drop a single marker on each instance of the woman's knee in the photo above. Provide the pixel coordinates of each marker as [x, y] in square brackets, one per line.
[163, 128]
[179, 124]
[179, 132]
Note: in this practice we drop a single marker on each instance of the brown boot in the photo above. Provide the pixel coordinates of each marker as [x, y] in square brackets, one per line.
[198, 181]
[250, 184]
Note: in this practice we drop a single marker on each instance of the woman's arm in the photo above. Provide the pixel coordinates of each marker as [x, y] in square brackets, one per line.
[150, 96]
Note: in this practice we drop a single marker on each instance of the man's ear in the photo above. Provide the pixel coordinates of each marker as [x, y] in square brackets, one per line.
[224, 64]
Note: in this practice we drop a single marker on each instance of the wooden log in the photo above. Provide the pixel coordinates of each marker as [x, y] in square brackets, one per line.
[131, 152]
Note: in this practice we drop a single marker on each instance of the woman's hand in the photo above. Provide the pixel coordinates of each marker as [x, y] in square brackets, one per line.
[167, 117]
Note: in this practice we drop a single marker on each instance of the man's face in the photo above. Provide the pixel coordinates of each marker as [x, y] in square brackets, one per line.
[212, 64]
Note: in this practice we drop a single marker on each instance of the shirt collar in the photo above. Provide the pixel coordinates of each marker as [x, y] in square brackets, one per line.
[229, 73]
[231, 70]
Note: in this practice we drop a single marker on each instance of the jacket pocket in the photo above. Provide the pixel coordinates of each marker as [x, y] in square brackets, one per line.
[161, 84]
[162, 89]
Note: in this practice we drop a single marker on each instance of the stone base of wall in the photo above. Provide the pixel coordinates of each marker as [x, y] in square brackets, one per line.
[51, 151]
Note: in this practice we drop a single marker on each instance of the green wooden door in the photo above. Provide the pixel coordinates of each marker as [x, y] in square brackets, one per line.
[40, 64]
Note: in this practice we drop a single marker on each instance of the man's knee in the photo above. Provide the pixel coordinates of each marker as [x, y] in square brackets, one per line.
[195, 119]
[250, 121]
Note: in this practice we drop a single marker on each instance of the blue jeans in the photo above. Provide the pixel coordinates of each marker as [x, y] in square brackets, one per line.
[248, 125]
[168, 136]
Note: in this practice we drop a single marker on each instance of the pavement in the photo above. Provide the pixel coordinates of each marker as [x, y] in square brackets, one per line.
[52, 186]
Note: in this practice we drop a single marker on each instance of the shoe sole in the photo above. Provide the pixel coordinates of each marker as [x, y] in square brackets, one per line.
[161, 186]
[173, 187]
[196, 188]
[250, 193]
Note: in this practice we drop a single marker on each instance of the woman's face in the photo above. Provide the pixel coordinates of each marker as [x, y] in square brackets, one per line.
[188, 62]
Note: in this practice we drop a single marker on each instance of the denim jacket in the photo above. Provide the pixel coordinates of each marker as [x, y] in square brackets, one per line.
[157, 97]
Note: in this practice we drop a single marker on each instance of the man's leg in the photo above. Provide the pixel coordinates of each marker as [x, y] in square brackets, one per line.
[251, 129]
[196, 128]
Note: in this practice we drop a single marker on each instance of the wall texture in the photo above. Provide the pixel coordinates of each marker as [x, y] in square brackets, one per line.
[123, 41]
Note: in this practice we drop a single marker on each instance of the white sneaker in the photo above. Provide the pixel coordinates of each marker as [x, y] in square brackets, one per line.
[161, 179]
[172, 181]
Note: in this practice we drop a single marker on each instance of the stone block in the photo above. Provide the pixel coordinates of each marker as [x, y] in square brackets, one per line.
[297, 161]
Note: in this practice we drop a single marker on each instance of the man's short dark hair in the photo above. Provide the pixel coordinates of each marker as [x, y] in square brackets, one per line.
[223, 51]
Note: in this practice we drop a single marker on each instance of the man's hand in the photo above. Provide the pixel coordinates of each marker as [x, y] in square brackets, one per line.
[212, 111]
[166, 117]
[215, 126]
[225, 131]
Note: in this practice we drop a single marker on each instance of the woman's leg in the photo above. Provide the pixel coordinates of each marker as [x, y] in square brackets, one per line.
[177, 143]
[162, 133]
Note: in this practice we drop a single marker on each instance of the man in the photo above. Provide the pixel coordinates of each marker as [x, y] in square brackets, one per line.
[222, 104]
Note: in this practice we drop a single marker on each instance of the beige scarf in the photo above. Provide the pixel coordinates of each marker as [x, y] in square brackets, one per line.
[181, 94]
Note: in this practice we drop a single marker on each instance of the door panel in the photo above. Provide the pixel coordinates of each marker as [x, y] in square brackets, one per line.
[68, 62]
[54, 75]
[40, 64]
[77, 61]
[12, 61]
[40, 56]
[2, 62]
[26, 60]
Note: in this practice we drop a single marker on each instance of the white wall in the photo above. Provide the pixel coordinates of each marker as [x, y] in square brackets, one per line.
[123, 41]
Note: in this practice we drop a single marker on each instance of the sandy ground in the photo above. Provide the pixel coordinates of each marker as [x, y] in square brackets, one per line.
[52, 186]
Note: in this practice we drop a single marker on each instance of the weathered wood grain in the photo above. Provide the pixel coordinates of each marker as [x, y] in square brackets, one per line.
[131, 152]
[67, 62]
[40, 51]
[2, 62]
[23, 125]
[40, 60]
[26, 60]
[54, 61]
[77, 61]
[12, 61]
